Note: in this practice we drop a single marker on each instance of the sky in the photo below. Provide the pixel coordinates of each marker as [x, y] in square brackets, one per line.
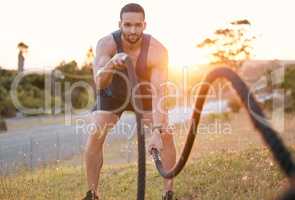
[58, 30]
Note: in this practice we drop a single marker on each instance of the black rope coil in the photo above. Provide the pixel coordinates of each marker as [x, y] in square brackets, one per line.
[269, 135]
[140, 135]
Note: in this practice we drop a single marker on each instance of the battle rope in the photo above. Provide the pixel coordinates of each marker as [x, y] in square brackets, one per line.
[140, 134]
[270, 136]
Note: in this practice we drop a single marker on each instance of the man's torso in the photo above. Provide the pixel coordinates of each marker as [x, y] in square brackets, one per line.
[144, 59]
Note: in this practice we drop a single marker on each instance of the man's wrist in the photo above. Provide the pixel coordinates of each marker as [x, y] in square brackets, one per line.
[161, 128]
[108, 66]
[157, 127]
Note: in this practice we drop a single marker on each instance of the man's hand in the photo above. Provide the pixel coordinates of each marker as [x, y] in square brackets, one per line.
[155, 141]
[118, 60]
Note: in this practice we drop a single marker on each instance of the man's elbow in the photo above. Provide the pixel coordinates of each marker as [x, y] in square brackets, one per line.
[101, 83]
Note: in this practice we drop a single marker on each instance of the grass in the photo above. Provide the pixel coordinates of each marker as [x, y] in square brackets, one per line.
[250, 174]
[222, 166]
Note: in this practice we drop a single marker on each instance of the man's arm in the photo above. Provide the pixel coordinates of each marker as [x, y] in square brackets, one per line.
[159, 78]
[103, 65]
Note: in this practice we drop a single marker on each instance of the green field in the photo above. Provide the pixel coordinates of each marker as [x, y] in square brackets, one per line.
[250, 174]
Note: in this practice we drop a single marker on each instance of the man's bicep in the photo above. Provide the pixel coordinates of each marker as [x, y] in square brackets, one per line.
[159, 79]
[160, 70]
[102, 55]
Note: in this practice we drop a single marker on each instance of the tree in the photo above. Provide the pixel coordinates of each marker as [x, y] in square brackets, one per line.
[289, 86]
[231, 45]
[21, 59]
[73, 74]
[89, 57]
[3, 126]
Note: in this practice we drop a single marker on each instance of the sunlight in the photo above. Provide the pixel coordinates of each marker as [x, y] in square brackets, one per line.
[180, 33]
[191, 56]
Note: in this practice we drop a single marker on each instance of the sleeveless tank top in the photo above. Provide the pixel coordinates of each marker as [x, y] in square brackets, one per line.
[118, 87]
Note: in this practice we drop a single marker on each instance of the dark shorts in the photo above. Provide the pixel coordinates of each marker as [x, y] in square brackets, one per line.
[118, 106]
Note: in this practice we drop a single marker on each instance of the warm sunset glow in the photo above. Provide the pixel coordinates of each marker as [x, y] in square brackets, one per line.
[63, 30]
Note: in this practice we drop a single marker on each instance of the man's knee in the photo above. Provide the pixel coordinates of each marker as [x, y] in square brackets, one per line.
[102, 121]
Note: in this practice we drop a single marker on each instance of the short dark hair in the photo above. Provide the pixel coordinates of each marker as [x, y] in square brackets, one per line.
[132, 7]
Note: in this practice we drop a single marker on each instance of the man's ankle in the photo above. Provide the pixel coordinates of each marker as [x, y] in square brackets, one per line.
[93, 192]
[165, 191]
[168, 195]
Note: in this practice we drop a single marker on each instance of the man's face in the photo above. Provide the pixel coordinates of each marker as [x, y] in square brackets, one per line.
[132, 26]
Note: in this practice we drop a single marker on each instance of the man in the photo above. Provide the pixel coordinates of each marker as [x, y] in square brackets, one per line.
[150, 59]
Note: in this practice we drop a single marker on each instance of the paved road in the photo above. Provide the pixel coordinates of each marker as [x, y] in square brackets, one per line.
[32, 147]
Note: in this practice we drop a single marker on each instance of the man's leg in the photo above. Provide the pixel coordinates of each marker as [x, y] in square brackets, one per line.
[168, 156]
[94, 148]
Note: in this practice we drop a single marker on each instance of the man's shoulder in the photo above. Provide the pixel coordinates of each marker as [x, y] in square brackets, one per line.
[158, 53]
[157, 46]
[106, 42]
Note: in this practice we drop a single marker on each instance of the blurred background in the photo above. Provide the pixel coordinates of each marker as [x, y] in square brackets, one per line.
[46, 47]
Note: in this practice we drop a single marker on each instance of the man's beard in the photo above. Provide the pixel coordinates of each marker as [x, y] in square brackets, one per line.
[138, 37]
